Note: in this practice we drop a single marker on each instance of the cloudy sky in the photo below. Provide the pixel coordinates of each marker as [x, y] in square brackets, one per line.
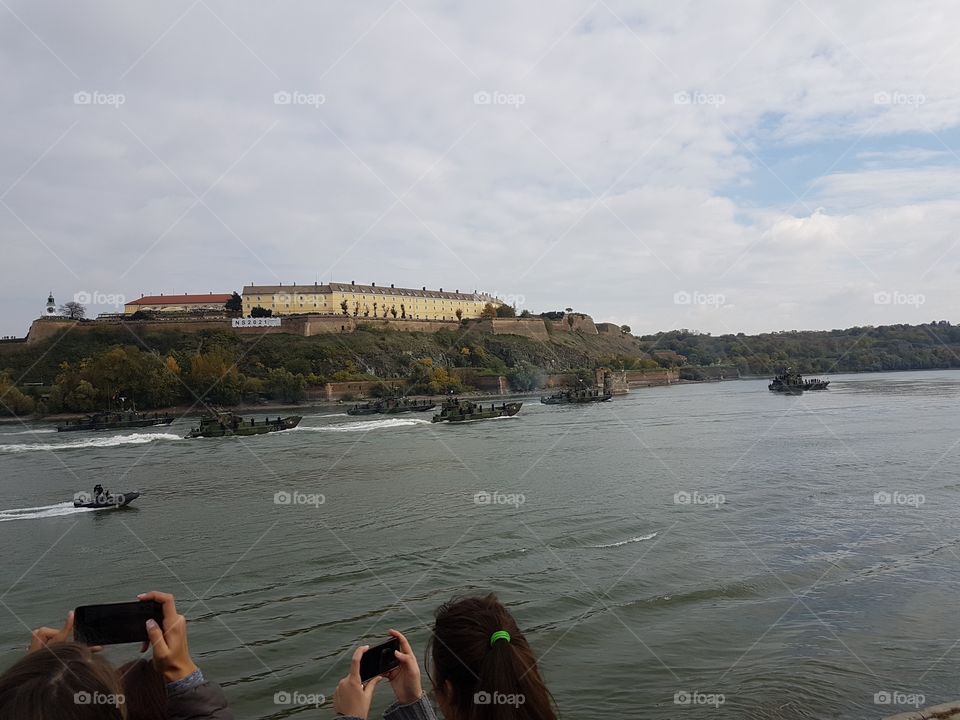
[740, 166]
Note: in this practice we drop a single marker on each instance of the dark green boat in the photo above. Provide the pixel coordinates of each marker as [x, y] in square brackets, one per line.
[227, 424]
[391, 406]
[572, 396]
[793, 383]
[116, 421]
[454, 410]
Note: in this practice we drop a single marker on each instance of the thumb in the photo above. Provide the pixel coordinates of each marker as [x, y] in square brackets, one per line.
[404, 658]
[371, 684]
[157, 641]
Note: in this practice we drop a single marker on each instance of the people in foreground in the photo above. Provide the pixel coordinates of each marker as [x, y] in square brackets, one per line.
[66, 680]
[482, 669]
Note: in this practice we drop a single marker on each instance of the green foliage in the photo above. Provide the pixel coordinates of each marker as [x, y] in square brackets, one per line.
[12, 400]
[506, 311]
[525, 377]
[489, 311]
[235, 303]
[257, 312]
[283, 385]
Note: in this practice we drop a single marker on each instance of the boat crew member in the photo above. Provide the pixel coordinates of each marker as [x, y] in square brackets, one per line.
[97, 491]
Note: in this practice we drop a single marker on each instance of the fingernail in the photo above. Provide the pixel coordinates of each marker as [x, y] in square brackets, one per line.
[141, 596]
[151, 625]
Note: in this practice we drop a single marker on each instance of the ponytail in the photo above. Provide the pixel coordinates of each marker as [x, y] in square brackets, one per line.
[492, 672]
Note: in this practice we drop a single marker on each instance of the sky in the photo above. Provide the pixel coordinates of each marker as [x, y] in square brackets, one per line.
[745, 166]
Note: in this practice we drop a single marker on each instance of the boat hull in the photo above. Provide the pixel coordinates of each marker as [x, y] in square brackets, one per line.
[111, 501]
[563, 400]
[478, 413]
[244, 430]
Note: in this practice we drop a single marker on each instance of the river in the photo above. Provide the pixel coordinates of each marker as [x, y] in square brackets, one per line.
[710, 549]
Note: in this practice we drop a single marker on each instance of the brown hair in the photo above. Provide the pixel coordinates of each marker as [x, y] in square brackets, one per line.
[62, 680]
[483, 682]
[145, 690]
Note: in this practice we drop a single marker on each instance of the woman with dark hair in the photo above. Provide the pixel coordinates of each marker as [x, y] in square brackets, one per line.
[61, 680]
[482, 669]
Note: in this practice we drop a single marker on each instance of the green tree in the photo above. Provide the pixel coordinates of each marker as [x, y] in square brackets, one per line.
[506, 311]
[12, 400]
[235, 303]
[257, 312]
[281, 384]
[344, 306]
[489, 311]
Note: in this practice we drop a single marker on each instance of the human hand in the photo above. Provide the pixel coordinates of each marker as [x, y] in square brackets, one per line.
[171, 656]
[41, 637]
[352, 697]
[405, 679]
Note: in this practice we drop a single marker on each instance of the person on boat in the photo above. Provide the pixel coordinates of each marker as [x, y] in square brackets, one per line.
[480, 661]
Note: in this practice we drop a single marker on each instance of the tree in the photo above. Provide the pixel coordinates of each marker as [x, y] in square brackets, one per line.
[506, 311]
[73, 310]
[489, 311]
[570, 321]
[625, 329]
[281, 384]
[257, 312]
[459, 314]
[235, 303]
[343, 306]
[403, 311]
[12, 401]
[393, 311]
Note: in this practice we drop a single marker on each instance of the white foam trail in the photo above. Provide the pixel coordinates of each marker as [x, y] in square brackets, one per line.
[366, 425]
[96, 442]
[44, 511]
[639, 538]
[41, 431]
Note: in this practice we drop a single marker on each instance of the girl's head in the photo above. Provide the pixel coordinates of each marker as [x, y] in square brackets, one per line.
[145, 690]
[475, 679]
[61, 680]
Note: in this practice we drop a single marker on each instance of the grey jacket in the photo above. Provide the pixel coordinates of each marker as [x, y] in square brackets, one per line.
[194, 698]
[419, 710]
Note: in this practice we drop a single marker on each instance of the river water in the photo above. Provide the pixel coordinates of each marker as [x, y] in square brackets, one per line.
[709, 549]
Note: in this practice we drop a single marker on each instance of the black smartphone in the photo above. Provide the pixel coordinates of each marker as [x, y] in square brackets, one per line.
[115, 623]
[379, 660]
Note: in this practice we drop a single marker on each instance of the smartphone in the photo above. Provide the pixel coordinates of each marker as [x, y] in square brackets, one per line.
[115, 623]
[379, 660]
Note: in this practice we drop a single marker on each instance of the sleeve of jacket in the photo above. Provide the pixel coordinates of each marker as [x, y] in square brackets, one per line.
[419, 710]
[205, 701]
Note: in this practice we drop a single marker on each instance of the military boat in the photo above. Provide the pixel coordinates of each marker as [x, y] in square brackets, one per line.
[391, 406]
[225, 424]
[793, 383]
[116, 421]
[454, 410]
[574, 395]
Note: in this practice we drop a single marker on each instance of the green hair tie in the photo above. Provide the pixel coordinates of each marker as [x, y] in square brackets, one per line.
[499, 635]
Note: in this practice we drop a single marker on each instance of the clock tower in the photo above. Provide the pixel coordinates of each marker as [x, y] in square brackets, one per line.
[51, 306]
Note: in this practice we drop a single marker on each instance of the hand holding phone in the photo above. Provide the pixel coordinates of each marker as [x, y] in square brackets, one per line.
[379, 660]
[115, 623]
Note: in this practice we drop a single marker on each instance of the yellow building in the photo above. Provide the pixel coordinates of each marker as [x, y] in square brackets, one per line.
[365, 301]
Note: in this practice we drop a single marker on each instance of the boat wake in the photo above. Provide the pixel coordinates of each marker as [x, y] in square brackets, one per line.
[97, 442]
[639, 538]
[366, 425]
[41, 431]
[44, 511]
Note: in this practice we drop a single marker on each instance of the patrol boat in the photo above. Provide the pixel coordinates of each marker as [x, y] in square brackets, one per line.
[454, 410]
[226, 424]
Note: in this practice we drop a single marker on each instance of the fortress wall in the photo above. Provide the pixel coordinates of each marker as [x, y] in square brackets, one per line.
[532, 328]
[581, 323]
[653, 376]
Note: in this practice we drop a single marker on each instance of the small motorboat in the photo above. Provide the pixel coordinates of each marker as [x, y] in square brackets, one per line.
[118, 500]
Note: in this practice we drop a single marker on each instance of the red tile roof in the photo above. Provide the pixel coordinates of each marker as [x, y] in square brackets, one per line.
[218, 298]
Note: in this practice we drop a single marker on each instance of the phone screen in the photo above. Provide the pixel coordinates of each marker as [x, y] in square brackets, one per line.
[115, 623]
[379, 660]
